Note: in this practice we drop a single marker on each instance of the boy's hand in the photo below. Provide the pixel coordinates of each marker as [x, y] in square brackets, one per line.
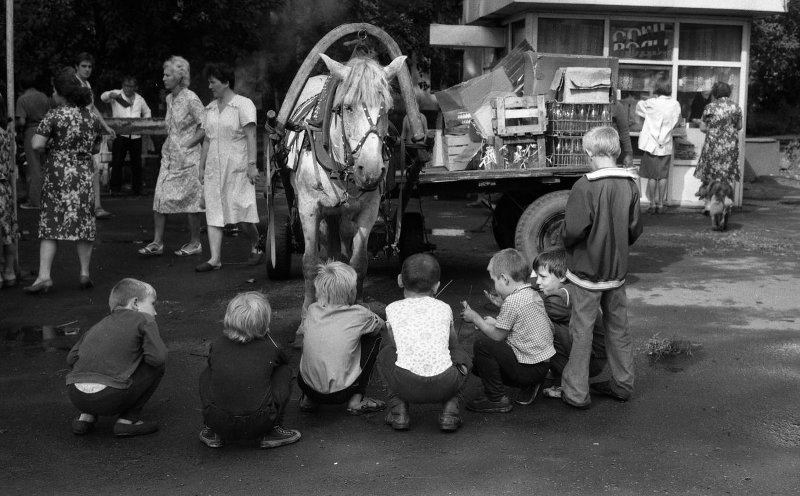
[493, 298]
[468, 314]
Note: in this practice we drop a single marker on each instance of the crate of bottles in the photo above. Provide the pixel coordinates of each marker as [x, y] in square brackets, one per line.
[566, 151]
[576, 118]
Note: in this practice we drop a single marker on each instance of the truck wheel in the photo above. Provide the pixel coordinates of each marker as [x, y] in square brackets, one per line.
[539, 228]
[412, 235]
[283, 251]
[504, 221]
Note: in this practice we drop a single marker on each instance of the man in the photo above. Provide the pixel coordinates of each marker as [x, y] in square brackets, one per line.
[84, 63]
[126, 103]
[31, 107]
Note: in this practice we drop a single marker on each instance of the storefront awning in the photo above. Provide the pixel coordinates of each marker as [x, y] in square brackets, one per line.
[488, 12]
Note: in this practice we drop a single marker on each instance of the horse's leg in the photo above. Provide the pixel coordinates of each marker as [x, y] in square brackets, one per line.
[310, 220]
[363, 223]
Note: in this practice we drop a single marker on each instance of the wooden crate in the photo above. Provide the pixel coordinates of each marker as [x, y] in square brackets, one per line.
[520, 120]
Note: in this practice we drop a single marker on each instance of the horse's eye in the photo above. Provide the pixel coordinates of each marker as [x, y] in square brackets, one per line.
[348, 108]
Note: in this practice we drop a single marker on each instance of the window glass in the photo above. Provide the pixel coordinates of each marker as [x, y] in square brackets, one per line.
[642, 40]
[710, 42]
[570, 36]
[637, 82]
[694, 87]
[517, 32]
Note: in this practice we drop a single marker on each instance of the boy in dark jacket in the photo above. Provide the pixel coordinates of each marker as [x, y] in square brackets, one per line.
[602, 221]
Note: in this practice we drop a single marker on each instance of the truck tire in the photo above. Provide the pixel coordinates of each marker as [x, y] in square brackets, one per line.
[412, 235]
[283, 251]
[539, 228]
[504, 221]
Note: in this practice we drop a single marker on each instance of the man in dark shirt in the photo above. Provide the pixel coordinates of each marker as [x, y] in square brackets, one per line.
[31, 107]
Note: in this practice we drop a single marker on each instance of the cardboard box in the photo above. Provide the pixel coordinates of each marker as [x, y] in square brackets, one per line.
[540, 70]
[582, 84]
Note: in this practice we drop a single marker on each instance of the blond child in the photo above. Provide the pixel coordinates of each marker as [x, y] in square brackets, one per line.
[517, 346]
[246, 386]
[601, 221]
[422, 362]
[118, 363]
[341, 344]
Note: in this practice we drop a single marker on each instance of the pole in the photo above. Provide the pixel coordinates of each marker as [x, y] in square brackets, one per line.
[10, 107]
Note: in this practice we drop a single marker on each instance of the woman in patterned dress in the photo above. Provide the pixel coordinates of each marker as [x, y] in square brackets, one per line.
[178, 189]
[9, 229]
[67, 212]
[721, 121]
[228, 165]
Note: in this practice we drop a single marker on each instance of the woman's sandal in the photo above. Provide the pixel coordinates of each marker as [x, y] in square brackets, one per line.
[152, 250]
[368, 405]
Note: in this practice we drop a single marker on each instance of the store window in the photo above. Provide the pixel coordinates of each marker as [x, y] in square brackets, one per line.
[637, 82]
[694, 87]
[570, 36]
[645, 40]
[710, 42]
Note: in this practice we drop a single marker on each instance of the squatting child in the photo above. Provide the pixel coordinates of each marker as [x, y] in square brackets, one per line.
[550, 273]
[602, 221]
[516, 347]
[341, 344]
[422, 362]
[118, 363]
[246, 386]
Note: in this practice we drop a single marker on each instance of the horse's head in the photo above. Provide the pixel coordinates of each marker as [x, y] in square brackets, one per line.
[364, 97]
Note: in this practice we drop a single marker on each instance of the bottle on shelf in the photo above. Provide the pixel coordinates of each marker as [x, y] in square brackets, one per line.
[593, 116]
[557, 156]
[605, 115]
[581, 119]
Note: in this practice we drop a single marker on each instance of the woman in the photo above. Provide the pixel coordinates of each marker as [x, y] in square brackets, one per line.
[660, 114]
[68, 207]
[178, 189]
[721, 121]
[9, 229]
[228, 165]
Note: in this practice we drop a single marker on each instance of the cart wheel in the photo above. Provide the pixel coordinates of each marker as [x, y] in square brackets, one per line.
[412, 235]
[504, 221]
[283, 252]
[539, 228]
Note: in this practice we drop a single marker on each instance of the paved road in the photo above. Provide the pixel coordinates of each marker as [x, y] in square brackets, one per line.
[722, 421]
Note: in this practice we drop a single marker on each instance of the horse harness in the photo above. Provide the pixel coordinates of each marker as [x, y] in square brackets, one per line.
[319, 141]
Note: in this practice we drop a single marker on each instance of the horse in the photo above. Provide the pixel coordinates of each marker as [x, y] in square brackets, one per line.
[337, 214]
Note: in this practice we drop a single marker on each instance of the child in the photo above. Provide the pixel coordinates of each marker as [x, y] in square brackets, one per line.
[245, 388]
[602, 220]
[340, 346]
[118, 363]
[550, 272]
[422, 362]
[518, 345]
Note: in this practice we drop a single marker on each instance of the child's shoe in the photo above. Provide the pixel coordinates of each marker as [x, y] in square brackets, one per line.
[485, 405]
[527, 395]
[450, 418]
[605, 389]
[82, 427]
[398, 417]
[552, 392]
[279, 436]
[139, 428]
[307, 404]
[210, 438]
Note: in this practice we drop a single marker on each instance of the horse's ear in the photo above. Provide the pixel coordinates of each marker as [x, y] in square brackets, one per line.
[339, 70]
[392, 69]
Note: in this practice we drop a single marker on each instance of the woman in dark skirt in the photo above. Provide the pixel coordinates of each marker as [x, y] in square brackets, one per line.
[71, 134]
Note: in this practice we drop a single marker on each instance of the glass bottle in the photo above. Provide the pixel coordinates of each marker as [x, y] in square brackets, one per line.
[605, 115]
[557, 156]
[593, 117]
[581, 119]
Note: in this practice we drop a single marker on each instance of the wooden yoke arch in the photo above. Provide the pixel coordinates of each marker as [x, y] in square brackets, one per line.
[403, 77]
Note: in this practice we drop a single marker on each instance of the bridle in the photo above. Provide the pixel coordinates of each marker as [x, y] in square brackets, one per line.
[350, 155]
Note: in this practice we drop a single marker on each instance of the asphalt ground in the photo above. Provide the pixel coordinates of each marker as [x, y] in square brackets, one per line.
[722, 420]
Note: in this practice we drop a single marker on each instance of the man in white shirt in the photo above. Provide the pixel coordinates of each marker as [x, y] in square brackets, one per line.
[126, 103]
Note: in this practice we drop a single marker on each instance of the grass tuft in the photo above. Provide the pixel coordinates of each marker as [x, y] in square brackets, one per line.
[658, 348]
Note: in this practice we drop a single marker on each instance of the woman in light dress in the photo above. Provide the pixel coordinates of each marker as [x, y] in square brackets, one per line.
[228, 165]
[178, 189]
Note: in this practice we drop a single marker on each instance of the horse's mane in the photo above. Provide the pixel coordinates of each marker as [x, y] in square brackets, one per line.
[366, 84]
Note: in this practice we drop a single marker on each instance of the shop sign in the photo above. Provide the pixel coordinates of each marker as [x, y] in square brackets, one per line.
[649, 41]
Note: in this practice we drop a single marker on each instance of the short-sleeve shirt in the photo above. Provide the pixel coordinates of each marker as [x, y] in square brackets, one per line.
[331, 358]
[421, 330]
[32, 106]
[530, 332]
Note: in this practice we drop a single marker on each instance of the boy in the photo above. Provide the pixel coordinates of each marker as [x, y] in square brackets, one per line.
[422, 362]
[518, 345]
[550, 273]
[118, 363]
[340, 346]
[602, 220]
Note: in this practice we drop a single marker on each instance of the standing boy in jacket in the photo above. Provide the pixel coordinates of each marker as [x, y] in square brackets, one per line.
[602, 221]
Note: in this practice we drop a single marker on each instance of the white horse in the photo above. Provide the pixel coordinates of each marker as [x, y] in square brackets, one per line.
[336, 214]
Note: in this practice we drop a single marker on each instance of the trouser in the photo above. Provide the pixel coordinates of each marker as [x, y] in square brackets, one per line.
[33, 173]
[497, 366]
[121, 146]
[127, 403]
[619, 345]
[413, 388]
[253, 425]
[562, 342]
[370, 344]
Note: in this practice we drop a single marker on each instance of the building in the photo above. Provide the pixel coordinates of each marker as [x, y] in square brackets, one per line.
[692, 42]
